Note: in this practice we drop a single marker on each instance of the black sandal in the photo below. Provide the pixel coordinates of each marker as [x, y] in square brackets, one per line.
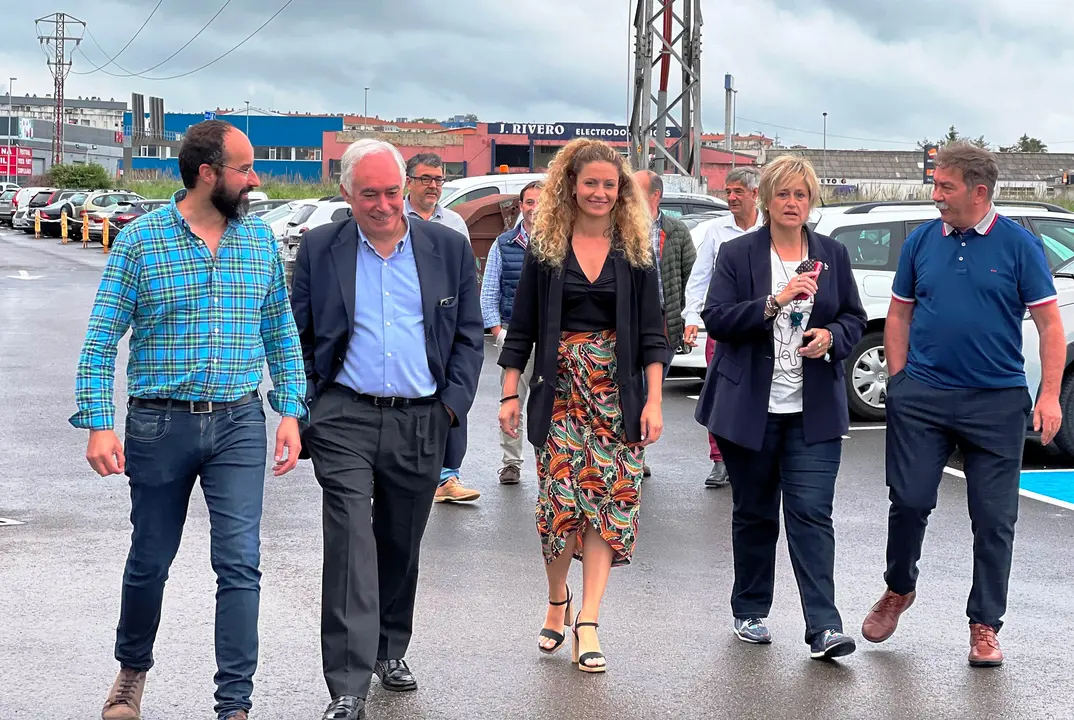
[581, 661]
[557, 638]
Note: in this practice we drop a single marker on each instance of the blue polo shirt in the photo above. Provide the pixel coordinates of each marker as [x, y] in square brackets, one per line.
[971, 290]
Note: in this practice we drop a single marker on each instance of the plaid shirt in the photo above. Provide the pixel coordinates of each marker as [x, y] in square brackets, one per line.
[203, 327]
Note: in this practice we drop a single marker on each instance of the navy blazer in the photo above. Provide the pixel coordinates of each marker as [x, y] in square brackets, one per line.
[323, 295]
[734, 400]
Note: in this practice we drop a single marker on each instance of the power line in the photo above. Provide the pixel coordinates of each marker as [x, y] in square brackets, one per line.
[112, 60]
[833, 135]
[183, 47]
[221, 57]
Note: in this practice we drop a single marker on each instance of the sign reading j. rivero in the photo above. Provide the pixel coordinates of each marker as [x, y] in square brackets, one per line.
[569, 131]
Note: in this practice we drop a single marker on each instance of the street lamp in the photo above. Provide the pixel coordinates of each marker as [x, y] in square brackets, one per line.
[365, 112]
[7, 174]
[247, 119]
[824, 152]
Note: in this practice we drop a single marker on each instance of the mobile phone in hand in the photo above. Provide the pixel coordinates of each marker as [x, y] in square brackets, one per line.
[811, 268]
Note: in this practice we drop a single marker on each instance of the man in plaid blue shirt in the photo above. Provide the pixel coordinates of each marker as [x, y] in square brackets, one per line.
[202, 289]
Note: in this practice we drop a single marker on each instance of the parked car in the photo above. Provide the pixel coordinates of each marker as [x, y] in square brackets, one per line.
[260, 207]
[22, 197]
[466, 189]
[136, 210]
[313, 215]
[103, 204]
[7, 208]
[277, 218]
[873, 233]
[69, 201]
[24, 216]
[678, 204]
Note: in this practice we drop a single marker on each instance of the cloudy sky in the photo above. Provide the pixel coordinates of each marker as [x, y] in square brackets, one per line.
[888, 72]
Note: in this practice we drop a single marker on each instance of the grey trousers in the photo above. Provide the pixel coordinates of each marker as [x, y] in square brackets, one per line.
[378, 468]
[512, 447]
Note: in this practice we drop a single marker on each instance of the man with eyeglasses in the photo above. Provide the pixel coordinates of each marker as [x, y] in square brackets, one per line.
[425, 185]
[202, 286]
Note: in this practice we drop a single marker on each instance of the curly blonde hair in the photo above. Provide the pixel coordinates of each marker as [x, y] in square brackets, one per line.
[558, 207]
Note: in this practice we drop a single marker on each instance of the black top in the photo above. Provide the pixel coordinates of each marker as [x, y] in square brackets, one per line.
[588, 306]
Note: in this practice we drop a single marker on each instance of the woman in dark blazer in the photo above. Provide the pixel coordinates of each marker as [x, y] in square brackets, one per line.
[588, 301]
[775, 397]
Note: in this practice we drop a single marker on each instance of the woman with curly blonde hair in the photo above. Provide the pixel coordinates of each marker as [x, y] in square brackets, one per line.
[588, 301]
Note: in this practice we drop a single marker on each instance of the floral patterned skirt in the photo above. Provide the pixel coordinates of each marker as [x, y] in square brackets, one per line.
[587, 473]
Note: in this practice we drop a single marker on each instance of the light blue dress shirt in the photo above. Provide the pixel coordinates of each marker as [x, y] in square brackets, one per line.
[386, 355]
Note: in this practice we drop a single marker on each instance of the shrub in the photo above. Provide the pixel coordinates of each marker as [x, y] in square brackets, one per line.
[87, 177]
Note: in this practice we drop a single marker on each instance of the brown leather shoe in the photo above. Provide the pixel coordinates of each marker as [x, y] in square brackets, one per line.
[984, 646]
[125, 700]
[882, 620]
[510, 475]
[455, 491]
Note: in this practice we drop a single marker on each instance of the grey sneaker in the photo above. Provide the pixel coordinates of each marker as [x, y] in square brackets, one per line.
[752, 630]
[831, 644]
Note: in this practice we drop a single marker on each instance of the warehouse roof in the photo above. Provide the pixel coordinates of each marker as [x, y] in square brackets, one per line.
[903, 164]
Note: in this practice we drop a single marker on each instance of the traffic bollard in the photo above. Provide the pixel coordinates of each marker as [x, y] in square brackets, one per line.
[104, 234]
[63, 227]
[85, 230]
[37, 224]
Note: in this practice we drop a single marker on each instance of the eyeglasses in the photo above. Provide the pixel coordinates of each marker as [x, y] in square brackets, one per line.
[245, 173]
[429, 179]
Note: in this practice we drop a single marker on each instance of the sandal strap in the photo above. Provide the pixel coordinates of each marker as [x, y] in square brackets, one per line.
[552, 635]
[586, 624]
[564, 602]
[591, 656]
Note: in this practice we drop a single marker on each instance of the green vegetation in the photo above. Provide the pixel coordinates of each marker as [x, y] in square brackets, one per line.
[277, 188]
[85, 177]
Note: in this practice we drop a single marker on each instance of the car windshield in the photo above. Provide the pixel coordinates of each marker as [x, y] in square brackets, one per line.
[278, 213]
[6, 197]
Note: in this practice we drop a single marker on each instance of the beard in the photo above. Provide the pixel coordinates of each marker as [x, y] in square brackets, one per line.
[232, 207]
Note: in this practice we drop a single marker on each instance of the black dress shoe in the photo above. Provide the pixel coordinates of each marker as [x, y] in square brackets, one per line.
[345, 707]
[395, 675]
[718, 477]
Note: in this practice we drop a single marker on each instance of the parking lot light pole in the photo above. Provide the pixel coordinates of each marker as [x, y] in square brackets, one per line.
[7, 174]
[365, 112]
[824, 152]
[247, 118]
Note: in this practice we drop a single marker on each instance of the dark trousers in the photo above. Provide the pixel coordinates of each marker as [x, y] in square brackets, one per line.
[803, 476]
[455, 450]
[166, 450]
[924, 427]
[378, 469]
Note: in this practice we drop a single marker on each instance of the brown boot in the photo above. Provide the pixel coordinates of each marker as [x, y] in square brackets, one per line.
[882, 620]
[125, 700]
[984, 646]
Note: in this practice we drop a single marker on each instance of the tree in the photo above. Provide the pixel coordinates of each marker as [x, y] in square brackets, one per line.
[1026, 144]
[953, 135]
[81, 177]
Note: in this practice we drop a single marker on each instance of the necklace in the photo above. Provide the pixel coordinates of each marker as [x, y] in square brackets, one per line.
[796, 315]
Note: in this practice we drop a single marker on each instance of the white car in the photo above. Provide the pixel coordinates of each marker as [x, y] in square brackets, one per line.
[314, 214]
[873, 233]
[465, 189]
[277, 217]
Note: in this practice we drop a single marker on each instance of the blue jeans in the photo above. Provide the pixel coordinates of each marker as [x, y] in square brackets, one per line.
[786, 468]
[166, 450]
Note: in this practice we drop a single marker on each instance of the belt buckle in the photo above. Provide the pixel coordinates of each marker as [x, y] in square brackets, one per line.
[194, 407]
[388, 401]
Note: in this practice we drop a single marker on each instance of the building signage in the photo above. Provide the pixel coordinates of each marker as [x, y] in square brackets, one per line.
[26, 128]
[569, 131]
[928, 164]
[15, 160]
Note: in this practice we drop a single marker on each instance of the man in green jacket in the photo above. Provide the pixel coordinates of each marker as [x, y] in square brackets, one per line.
[674, 253]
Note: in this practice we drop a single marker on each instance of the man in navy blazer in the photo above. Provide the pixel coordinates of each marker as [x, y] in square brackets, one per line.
[388, 314]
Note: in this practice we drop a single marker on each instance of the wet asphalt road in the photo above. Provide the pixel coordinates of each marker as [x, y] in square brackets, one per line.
[665, 625]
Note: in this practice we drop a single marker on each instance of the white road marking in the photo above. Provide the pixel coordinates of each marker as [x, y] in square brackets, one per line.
[23, 275]
[1024, 493]
[694, 397]
[868, 427]
[9, 521]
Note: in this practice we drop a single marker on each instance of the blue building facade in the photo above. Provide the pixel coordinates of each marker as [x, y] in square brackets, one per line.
[285, 146]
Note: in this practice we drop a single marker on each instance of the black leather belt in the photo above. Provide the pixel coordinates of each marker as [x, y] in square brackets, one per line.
[381, 401]
[195, 407]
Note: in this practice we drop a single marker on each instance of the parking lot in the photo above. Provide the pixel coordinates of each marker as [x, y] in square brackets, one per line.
[665, 625]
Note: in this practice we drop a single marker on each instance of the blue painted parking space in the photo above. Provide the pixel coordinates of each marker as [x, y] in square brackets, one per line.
[1055, 484]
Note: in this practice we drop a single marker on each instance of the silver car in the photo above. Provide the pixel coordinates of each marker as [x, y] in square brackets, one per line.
[7, 206]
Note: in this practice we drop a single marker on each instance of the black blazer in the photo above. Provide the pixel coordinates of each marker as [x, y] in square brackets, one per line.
[322, 299]
[734, 400]
[535, 320]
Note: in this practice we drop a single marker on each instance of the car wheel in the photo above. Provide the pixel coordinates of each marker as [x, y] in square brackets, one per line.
[867, 378]
[1064, 439]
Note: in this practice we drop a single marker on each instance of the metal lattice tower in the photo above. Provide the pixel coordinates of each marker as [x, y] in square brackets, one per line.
[54, 32]
[673, 29]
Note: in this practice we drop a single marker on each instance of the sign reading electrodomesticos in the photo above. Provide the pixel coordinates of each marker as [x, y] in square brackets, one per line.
[568, 131]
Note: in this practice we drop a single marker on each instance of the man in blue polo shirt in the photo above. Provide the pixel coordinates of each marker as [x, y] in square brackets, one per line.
[953, 342]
